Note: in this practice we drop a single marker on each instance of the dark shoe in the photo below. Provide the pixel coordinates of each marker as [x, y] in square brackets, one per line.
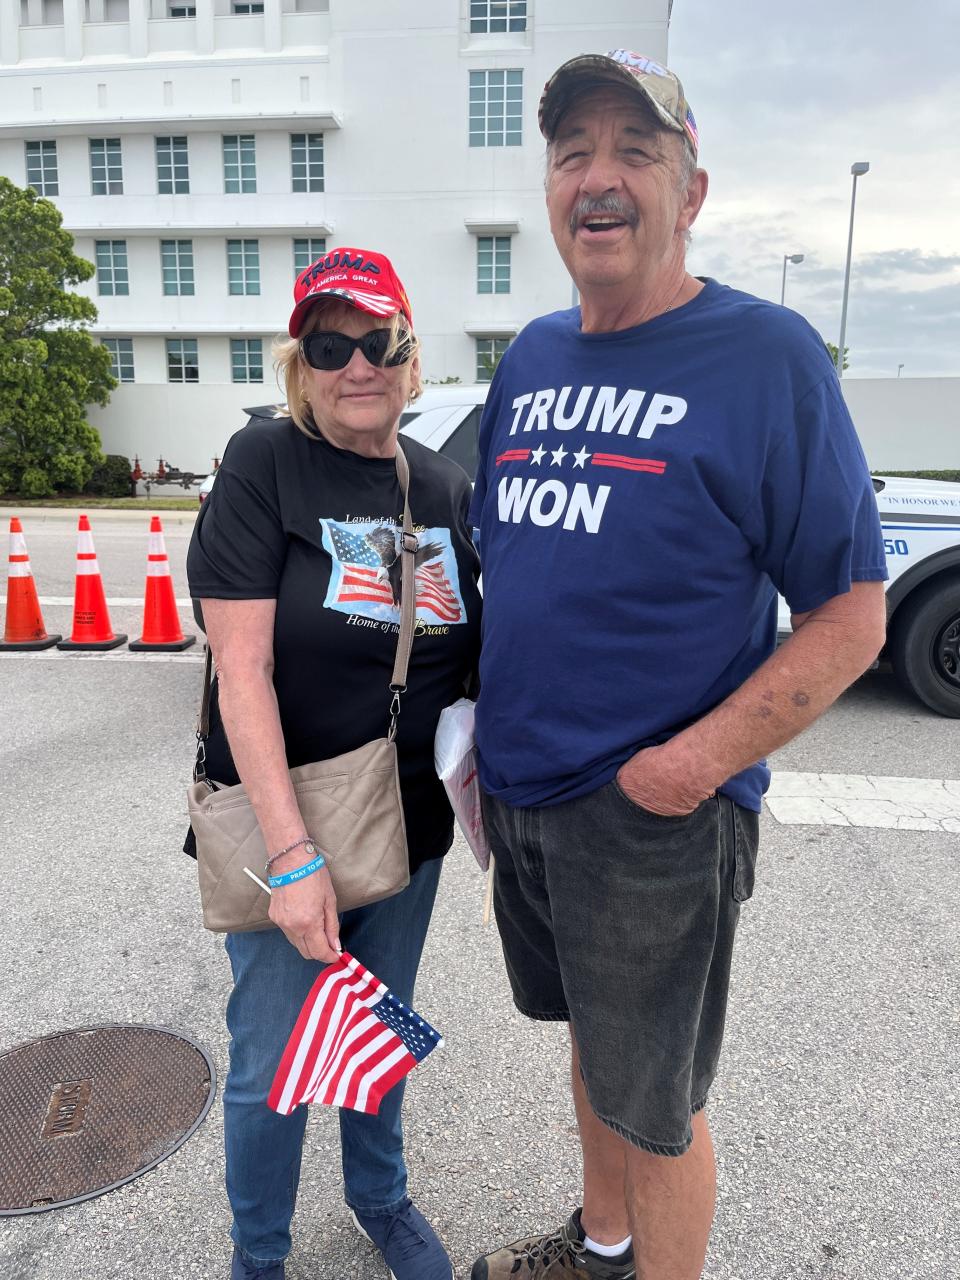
[241, 1269]
[408, 1243]
[562, 1256]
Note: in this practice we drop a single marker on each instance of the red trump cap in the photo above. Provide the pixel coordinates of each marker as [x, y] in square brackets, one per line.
[359, 277]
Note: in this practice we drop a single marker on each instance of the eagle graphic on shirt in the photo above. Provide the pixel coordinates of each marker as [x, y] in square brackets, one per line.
[365, 572]
[386, 544]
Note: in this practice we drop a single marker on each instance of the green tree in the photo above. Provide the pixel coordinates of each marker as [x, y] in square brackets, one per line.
[832, 348]
[50, 366]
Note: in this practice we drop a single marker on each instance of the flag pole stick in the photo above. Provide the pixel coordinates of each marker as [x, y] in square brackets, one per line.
[266, 889]
[488, 896]
[256, 880]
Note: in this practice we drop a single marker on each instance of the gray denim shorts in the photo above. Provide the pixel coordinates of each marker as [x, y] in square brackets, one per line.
[622, 923]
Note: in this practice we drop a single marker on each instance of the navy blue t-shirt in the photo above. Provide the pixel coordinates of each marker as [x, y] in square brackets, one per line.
[641, 497]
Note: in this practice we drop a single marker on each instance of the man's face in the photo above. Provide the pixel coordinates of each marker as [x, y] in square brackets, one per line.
[613, 191]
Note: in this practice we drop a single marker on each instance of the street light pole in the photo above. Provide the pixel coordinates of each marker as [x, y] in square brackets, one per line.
[787, 257]
[858, 170]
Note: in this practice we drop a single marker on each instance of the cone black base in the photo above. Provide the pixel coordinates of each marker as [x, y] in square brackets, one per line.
[46, 643]
[175, 646]
[93, 644]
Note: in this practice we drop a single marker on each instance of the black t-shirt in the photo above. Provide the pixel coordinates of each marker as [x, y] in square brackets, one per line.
[317, 528]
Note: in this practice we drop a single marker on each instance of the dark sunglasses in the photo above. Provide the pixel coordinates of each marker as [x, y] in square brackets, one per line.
[328, 350]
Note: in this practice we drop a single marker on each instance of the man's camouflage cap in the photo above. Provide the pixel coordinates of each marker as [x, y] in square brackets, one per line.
[659, 88]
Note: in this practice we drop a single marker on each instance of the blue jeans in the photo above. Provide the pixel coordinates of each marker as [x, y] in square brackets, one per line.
[271, 982]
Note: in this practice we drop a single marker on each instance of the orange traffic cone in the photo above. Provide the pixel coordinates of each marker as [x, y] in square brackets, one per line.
[24, 627]
[161, 622]
[91, 620]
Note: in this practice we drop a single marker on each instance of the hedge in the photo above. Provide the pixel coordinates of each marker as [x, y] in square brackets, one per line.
[111, 479]
[953, 476]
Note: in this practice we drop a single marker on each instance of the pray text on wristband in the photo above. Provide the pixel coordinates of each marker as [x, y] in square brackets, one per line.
[301, 873]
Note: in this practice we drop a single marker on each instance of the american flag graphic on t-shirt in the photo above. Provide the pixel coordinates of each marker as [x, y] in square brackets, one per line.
[353, 1041]
[360, 583]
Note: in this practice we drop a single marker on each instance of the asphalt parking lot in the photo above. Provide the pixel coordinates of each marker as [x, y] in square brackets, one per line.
[838, 1141]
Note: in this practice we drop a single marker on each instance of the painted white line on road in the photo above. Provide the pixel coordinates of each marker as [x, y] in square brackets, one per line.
[863, 800]
[120, 601]
[111, 655]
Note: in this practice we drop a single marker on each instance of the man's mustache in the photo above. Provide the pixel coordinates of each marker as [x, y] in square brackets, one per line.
[614, 206]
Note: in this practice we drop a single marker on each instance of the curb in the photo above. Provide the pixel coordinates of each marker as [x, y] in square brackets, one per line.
[41, 514]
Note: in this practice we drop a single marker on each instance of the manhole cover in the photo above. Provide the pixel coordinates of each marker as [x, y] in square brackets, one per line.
[82, 1112]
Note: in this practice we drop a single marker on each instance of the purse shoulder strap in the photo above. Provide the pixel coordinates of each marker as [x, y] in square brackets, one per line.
[408, 612]
[408, 586]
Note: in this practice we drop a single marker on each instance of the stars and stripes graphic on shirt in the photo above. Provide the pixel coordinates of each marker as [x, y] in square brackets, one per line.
[360, 582]
[361, 573]
[353, 1041]
[435, 593]
[625, 463]
[622, 461]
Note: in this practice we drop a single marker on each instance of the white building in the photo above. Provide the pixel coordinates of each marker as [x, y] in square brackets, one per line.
[203, 150]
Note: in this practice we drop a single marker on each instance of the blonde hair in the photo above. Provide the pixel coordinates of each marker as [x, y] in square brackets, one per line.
[289, 363]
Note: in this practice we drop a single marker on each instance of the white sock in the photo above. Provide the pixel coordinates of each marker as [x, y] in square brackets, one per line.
[607, 1250]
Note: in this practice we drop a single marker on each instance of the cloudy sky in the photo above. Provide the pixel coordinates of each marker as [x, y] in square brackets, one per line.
[787, 97]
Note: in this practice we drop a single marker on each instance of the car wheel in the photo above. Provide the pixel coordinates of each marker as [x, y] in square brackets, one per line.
[925, 645]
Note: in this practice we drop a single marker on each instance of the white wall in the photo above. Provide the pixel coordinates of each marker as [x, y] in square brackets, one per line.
[907, 424]
[187, 426]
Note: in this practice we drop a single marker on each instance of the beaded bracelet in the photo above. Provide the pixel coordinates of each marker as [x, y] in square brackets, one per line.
[301, 873]
[289, 849]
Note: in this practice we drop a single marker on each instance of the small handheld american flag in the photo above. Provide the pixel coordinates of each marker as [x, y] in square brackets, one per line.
[354, 1040]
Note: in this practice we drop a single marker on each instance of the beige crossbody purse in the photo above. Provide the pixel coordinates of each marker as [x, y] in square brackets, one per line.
[350, 805]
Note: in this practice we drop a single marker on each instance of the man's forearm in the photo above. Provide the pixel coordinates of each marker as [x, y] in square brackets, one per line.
[786, 694]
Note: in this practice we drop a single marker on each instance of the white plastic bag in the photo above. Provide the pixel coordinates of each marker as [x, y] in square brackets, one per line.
[455, 757]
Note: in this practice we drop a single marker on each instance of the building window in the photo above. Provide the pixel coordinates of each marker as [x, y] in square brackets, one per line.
[121, 357]
[253, 7]
[246, 359]
[106, 11]
[306, 161]
[493, 264]
[41, 13]
[113, 279]
[181, 10]
[239, 163]
[243, 266]
[42, 168]
[496, 107]
[489, 351]
[173, 168]
[106, 167]
[307, 251]
[176, 260]
[182, 363]
[498, 15]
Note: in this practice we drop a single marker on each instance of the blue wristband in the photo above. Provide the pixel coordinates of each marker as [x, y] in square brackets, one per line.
[301, 873]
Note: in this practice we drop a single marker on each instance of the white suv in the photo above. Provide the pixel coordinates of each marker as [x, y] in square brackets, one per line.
[921, 531]
[447, 419]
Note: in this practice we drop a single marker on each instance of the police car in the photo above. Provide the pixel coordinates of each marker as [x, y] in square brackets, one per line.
[921, 532]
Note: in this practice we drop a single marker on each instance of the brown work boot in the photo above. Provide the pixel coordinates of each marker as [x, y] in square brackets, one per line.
[562, 1256]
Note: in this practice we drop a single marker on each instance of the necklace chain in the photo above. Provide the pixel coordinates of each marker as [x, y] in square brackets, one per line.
[675, 297]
